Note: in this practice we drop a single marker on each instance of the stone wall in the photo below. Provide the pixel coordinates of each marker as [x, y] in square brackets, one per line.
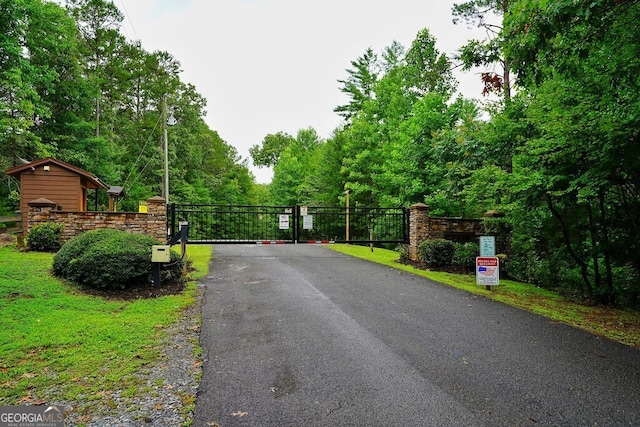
[424, 227]
[152, 223]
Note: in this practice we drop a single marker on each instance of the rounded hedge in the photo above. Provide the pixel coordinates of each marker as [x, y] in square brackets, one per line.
[45, 237]
[436, 252]
[464, 255]
[111, 259]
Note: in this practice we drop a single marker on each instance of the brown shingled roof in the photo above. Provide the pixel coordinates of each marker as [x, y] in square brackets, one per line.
[92, 180]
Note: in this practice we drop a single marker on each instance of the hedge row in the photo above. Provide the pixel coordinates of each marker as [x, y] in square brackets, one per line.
[111, 259]
[441, 253]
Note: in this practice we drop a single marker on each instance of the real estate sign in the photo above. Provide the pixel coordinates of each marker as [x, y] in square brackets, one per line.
[487, 270]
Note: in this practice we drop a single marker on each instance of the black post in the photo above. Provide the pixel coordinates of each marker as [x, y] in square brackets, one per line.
[156, 275]
[296, 220]
[173, 219]
[184, 237]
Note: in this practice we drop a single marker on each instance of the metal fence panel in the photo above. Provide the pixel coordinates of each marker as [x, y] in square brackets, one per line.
[355, 224]
[234, 224]
[290, 224]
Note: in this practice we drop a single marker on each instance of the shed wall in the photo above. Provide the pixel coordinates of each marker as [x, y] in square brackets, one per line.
[59, 185]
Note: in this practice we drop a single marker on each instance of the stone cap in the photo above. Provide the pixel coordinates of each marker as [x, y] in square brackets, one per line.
[156, 200]
[42, 203]
[420, 206]
[493, 214]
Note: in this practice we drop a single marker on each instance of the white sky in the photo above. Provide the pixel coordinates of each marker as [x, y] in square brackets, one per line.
[267, 66]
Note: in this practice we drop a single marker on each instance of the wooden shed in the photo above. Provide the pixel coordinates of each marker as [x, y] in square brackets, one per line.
[62, 183]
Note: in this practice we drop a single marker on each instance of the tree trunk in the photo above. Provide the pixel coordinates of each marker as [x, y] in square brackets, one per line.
[593, 234]
[605, 241]
[584, 270]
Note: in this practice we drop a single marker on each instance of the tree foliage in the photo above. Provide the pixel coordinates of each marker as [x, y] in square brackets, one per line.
[268, 154]
[73, 87]
[486, 14]
[578, 60]
[560, 157]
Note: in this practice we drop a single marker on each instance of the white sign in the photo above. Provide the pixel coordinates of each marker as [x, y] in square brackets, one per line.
[487, 271]
[284, 222]
[307, 222]
[487, 246]
[304, 210]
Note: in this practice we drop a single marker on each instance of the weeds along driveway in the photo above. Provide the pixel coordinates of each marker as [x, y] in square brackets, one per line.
[300, 335]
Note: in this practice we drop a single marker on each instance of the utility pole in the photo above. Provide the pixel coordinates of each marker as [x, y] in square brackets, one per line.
[166, 150]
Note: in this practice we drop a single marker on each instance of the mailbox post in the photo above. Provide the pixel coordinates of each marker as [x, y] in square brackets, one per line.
[159, 254]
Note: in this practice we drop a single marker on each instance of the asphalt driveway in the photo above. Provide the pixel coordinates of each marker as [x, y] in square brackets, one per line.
[299, 335]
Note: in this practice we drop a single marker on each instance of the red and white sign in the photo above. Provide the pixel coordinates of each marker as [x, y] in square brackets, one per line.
[487, 270]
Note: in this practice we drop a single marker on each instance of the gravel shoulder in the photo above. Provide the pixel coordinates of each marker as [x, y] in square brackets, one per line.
[169, 386]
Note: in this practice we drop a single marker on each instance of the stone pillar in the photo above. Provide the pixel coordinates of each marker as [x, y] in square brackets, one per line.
[419, 228]
[39, 212]
[157, 208]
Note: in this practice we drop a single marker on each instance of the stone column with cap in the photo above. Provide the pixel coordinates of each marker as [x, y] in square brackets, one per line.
[419, 228]
[39, 212]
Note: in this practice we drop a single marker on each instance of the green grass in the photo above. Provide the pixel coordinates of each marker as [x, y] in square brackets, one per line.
[58, 344]
[618, 325]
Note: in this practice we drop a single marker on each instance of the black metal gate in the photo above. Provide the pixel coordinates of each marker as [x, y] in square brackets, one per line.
[290, 224]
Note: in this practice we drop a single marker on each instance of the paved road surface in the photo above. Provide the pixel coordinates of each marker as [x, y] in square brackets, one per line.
[299, 335]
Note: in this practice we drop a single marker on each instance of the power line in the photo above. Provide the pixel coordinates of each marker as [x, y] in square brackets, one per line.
[126, 14]
[141, 152]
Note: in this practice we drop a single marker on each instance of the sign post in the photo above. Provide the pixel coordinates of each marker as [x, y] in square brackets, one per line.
[487, 271]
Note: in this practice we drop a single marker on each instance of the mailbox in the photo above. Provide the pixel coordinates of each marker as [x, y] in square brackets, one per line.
[160, 253]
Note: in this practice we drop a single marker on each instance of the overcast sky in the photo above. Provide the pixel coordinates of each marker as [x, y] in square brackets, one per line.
[267, 66]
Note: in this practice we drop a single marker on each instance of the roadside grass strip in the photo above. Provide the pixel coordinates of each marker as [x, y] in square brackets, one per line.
[58, 344]
[618, 325]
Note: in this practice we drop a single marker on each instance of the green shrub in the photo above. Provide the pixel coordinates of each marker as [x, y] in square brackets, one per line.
[436, 252]
[74, 248]
[627, 287]
[45, 237]
[464, 255]
[13, 200]
[403, 250]
[110, 259]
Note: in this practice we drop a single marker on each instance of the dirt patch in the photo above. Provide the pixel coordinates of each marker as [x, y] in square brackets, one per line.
[139, 292]
[130, 294]
[6, 239]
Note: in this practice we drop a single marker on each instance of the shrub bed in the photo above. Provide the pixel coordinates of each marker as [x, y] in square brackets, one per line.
[447, 255]
[111, 259]
[464, 256]
[45, 237]
[437, 252]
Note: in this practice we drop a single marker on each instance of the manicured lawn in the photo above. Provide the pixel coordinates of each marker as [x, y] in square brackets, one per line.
[618, 325]
[58, 344]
